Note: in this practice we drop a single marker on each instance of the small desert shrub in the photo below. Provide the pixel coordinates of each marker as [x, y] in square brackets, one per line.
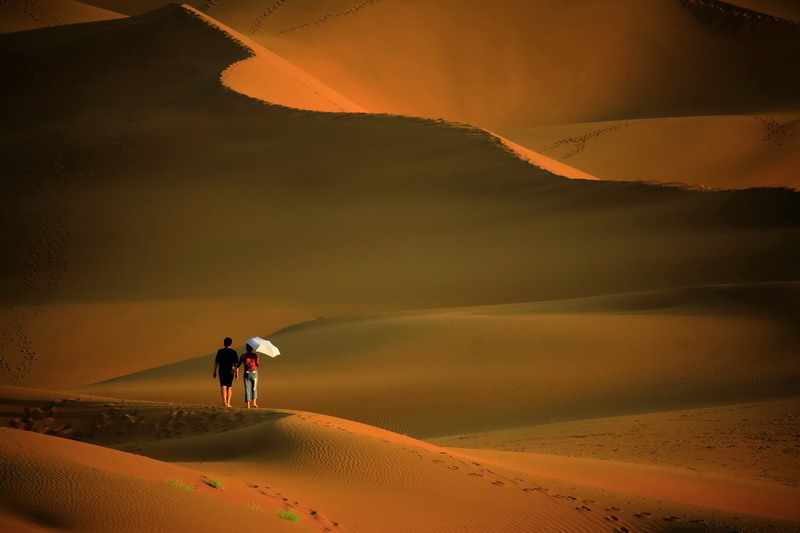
[288, 514]
[177, 483]
[217, 484]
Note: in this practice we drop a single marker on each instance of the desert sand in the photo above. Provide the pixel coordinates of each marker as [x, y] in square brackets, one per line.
[746, 151]
[341, 475]
[21, 15]
[514, 259]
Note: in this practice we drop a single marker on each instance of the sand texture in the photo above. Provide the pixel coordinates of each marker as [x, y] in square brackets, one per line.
[718, 73]
[533, 266]
[711, 151]
[21, 15]
[320, 466]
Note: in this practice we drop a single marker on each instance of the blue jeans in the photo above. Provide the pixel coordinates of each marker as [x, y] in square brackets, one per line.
[250, 383]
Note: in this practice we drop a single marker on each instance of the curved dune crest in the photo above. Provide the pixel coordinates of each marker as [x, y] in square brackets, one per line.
[518, 80]
[353, 213]
[546, 163]
[431, 373]
[362, 477]
[714, 151]
[172, 182]
[268, 77]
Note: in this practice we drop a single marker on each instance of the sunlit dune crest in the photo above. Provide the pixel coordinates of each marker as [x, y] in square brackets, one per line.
[270, 78]
[511, 253]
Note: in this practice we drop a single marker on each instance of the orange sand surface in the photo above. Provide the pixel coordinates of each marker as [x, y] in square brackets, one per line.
[20, 15]
[434, 373]
[337, 474]
[499, 227]
[534, 65]
[713, 151]
[223, 208]
[503, 65]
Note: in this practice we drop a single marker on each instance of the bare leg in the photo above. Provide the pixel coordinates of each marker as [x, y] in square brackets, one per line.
[229, 393]
[222, 390]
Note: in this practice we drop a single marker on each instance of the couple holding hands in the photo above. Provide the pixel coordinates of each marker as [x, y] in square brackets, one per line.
[229, 362]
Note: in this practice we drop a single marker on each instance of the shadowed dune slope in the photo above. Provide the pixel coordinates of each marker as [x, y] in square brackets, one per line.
[786, 9]
[525, 65]
[144, 181]
[339, 475]
[482, 369]
[522, 63]
[714, 151]
[20, 15]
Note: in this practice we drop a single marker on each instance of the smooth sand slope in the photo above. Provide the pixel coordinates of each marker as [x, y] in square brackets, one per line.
[520, 63]
[750, 441]
[714, 151]
[478, 369]
[338, 475]
[158, 204]
[718, 76]
[20, 15]
[420, 275]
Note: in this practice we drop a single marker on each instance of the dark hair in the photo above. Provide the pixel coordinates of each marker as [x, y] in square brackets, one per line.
[248, 347]
[227, 342]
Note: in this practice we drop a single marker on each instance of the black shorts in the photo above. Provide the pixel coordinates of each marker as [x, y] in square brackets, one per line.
[225, 379]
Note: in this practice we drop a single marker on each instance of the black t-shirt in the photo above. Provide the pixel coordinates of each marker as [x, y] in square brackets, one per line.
[227, 359]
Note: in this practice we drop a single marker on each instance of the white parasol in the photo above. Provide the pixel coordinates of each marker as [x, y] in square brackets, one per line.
[263, 346]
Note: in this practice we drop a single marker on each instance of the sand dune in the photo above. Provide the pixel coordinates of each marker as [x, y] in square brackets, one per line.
[267, 77]
[786, 9]
[338, 474]
[714, 151]
[583, 355]
[433, 373]
[750, 441]
[345, 213]
[56, 484]
[20, 15]
[536, 67]
[520, 64]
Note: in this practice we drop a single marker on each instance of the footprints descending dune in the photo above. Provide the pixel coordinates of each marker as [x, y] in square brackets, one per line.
[578, 143]
[777, 133]
[462, 467]
[44, 268]
[209, 6]
[259, 21]
[382, 459]
[130, 425]
[333, 14]
[36, 11]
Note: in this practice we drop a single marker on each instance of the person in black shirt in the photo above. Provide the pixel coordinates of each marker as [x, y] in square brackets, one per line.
[227, 360]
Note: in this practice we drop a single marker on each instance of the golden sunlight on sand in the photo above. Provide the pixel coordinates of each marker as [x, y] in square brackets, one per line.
[532, 265]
